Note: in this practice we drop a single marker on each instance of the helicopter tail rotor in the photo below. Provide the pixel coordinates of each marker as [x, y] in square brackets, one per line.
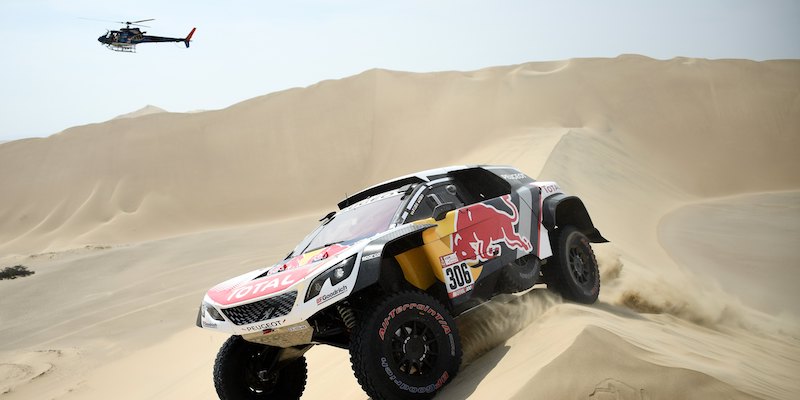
[189, 37]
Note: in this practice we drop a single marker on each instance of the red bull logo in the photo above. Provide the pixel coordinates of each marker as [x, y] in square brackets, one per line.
[481, 228]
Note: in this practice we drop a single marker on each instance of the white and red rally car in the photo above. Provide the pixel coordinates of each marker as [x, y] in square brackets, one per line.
[386, 274]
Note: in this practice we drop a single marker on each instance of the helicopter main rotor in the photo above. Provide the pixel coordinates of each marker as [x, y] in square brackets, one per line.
[137, 23]
[126, 23]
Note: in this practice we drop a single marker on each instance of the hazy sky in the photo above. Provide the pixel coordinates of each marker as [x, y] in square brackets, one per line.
[56, 75]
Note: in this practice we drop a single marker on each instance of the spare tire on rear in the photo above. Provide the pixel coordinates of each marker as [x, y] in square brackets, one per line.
[519, 275]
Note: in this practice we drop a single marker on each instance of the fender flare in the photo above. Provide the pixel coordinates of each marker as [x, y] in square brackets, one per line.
[372, 257]
[561, 210]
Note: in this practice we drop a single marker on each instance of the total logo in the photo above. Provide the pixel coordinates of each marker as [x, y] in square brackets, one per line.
[550, 188]
[328, 296]
[263, 286]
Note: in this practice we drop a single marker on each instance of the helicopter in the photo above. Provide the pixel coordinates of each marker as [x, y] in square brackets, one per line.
[125, 39]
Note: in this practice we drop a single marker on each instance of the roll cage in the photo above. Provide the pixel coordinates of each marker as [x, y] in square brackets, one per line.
[459, 187]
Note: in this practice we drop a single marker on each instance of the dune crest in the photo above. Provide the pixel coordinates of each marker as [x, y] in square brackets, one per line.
[128, 222]
[627, 375]
[146, 110]
[299, 149]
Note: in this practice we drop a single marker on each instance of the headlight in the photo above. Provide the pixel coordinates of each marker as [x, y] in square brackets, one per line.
[212, 311]
[336, 274]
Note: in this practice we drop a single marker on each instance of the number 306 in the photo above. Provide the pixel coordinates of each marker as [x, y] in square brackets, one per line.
[458, 276]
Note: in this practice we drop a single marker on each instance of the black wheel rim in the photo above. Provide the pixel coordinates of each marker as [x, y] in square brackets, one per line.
[260, 380]
[579, 267]
[414, 348]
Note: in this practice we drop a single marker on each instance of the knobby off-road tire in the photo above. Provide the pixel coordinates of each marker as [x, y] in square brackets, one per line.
[573, 271]
[519, 275]
[237, 367]
[405, 347]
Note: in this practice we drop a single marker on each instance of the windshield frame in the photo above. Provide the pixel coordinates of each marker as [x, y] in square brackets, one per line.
[392, 217]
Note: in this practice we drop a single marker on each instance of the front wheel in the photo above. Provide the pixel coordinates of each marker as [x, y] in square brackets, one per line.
[405, 347]
[249, 371]
[573, 271]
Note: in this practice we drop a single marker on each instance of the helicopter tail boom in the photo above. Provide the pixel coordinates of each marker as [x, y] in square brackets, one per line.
[188, 38]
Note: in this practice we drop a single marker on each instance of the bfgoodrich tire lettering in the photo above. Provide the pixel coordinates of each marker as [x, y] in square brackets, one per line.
[238, 373]
[574, 273]
[405, 347]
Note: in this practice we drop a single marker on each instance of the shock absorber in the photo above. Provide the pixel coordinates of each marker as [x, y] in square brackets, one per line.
[348, 316]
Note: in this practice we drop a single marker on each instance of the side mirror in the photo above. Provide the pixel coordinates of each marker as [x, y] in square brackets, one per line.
[442, 209]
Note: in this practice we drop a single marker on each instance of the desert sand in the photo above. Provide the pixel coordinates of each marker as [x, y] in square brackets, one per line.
[688, 166]
[146, 110]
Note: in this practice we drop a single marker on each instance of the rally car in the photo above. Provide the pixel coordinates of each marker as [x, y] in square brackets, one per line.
[386, 274]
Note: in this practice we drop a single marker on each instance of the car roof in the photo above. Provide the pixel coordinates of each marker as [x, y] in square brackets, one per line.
[410, 179]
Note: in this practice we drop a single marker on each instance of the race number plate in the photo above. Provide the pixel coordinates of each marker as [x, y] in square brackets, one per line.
[458, 279]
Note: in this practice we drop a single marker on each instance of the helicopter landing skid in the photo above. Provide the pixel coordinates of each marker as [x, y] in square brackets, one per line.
[122, 48]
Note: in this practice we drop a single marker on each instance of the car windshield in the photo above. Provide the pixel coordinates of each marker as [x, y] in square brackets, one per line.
[362, 220]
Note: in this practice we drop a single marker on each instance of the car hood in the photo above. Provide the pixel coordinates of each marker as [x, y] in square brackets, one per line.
[278, 277]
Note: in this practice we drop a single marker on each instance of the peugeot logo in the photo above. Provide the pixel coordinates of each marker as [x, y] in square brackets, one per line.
[268, 313]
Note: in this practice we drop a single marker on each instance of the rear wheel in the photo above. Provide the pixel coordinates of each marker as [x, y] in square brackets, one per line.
[249, 371]
[573, 271]
[405, 347]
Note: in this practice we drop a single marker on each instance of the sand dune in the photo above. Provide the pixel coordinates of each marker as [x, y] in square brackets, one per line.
[160, 174]
[746, 241]
[146, 110]
[686, 165]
